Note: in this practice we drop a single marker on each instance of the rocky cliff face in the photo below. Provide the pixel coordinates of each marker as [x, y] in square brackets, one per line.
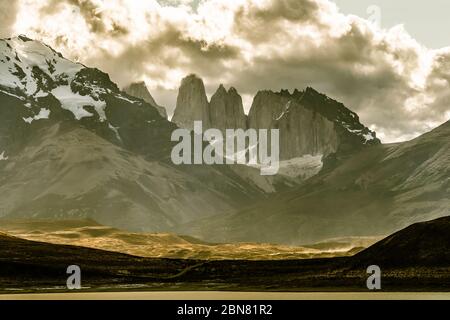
[226, 110]
[351, 132]
[310, 123]
[139, 90]
[267, 106]
[192, 104]
[304, 132]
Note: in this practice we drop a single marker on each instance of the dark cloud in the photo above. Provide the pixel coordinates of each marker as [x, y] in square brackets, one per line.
[167, 50]
[291, 10]
[8, 12]
[258, 23]
[172, 37]
[438, 83]
[91, 13]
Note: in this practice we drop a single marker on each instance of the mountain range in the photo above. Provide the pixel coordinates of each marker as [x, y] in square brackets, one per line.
[74, 146]
[310, 122]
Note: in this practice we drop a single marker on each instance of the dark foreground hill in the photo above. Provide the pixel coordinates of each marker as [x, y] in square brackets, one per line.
[416, 258]
[422, 244]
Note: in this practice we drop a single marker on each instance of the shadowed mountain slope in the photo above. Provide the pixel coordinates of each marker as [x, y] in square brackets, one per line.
[375, 192]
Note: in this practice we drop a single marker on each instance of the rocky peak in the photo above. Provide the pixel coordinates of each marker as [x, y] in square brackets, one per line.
[267, 106]
[233, 90]
[140, 90]
[309, 122]
[192, 103]
[221, 90]
[226, 110]
[346, 121]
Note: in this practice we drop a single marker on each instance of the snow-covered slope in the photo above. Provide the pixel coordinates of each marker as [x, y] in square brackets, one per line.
[30, 70]
[29, 65]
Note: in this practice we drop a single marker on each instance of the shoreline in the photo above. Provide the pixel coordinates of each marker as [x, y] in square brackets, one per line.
[218, 295]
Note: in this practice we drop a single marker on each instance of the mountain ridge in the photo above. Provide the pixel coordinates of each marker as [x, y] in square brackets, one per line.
[73, 144]
[140, 90]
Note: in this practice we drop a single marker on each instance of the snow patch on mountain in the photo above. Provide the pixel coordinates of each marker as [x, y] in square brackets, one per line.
[43, 114]
[21, 58]
[75, 103]
[116, 131]
[305, 167]
[11, 94]
[370, 136]
[285, 111]
[126, 99]
[3, 157]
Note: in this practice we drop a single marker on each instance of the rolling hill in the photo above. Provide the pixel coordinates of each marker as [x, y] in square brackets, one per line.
[88, 233]
[415, 258]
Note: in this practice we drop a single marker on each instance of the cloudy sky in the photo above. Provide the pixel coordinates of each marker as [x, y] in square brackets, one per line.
[386, 60]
